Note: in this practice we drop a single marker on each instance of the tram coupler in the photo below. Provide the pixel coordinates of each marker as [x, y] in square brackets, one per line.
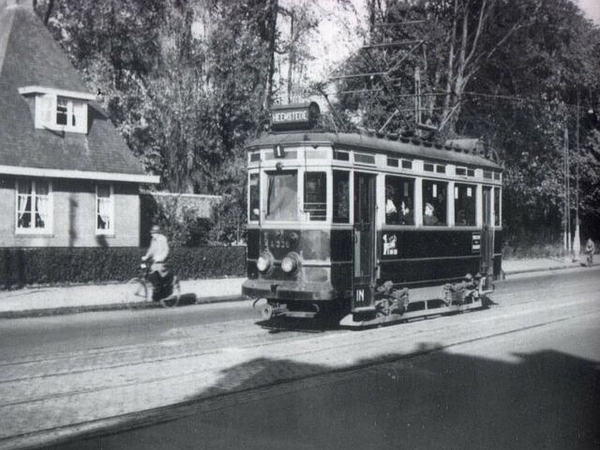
[269, 311]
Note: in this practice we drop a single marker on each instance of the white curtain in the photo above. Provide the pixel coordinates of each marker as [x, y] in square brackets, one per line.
[104, 211]
[23, 198]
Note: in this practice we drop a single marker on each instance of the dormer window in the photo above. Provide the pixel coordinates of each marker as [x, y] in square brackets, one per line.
[71, 114]
[60, 110]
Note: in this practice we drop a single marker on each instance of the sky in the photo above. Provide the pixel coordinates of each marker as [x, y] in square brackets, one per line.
[591, 8]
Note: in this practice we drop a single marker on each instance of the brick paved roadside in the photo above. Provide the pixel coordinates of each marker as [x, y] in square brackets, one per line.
[83, 390]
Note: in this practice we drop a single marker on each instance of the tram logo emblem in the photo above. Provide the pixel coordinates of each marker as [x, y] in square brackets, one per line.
[389, 244]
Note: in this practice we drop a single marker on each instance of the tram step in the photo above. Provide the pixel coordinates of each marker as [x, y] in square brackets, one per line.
[364, 309]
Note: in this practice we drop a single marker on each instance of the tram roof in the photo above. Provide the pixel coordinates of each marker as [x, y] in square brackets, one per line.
[372, 144]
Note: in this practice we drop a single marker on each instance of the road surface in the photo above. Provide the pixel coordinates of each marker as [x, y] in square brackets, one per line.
[523, 373]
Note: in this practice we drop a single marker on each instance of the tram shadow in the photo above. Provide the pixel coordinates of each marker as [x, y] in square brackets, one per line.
[431, 399]
[290, 324]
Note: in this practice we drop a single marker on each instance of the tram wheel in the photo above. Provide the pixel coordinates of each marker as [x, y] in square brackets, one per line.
[266, 312]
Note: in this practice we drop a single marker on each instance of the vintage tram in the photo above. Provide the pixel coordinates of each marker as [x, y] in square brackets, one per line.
[367, 228]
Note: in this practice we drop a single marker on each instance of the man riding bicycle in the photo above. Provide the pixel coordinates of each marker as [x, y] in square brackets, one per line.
[160, 277]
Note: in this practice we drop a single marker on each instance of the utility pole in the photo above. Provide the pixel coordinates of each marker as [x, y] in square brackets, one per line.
[566, 239]
[577, 238]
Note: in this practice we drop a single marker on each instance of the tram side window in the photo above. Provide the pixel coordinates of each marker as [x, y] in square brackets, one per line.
[341, 196]
[434, 202]
[282, 196]
[464, 204]
[399, 194]
[497, 217]
[315, 195]
[254, 202]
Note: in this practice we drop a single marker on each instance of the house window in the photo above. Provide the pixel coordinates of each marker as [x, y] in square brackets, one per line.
[105, 211]
[34, 206]
[62, 113]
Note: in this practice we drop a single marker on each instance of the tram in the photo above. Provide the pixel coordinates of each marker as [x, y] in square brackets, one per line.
[368, 229]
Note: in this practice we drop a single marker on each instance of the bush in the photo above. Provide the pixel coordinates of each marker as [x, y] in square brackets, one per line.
[63, 265]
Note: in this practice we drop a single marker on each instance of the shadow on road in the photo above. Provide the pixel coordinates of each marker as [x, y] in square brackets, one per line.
[438, 400]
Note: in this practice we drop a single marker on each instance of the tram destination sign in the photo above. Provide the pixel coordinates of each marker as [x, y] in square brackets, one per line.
[297, 116]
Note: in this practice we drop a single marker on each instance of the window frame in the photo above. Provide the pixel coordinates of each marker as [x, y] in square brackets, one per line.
[296, 197]
[307, 213]
[445, 184]
[110, 231]
[49, 106]
[457, 198]
[390, 179]
[48, 228]
[254, 192]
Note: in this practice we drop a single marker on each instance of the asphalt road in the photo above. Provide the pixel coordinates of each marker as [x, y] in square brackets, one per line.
[522, 374]
[524, 390]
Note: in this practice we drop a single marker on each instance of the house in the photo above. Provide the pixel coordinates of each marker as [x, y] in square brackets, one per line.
[67, 178]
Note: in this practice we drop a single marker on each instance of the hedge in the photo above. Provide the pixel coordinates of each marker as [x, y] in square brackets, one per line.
[59, 265]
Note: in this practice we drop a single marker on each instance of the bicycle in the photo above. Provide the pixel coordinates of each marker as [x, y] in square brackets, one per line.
[589, 259]
[138, 290]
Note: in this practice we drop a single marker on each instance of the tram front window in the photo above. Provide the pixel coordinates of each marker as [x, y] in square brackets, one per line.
[435, 204]
[254, 202]
[341, 196]
[315, 195]
[282, 196]
[497, 219]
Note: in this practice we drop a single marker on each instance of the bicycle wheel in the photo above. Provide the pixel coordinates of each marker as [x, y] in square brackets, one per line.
[136, 293]
[172, 300]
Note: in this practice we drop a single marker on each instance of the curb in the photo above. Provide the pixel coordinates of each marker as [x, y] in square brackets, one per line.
[547, 269]
[67, 310]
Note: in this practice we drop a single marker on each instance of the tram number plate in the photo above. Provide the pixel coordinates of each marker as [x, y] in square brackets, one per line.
[278, 151]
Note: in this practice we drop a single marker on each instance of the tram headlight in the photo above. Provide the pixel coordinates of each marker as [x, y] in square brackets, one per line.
[265, 261]
[290, 263]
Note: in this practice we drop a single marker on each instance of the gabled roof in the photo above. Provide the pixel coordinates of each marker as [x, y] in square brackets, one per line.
[29, 56]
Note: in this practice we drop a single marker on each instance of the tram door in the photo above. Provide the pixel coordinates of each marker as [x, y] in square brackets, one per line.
[364, 240]
[487, 235]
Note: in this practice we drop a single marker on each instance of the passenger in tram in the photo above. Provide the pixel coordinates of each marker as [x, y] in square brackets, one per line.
[429, 217]
[461, 218]
[406, 214]
[391, 213]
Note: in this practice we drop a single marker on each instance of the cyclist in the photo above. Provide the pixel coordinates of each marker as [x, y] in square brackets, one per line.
[590, 249]
[159, 274]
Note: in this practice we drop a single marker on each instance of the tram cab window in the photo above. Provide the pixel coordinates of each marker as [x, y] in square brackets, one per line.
[282, 195]
[464, 204]
[341, 196]
[435, 205]
[399, 194]
[497, 217]
[254, 201]
[315, 195]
